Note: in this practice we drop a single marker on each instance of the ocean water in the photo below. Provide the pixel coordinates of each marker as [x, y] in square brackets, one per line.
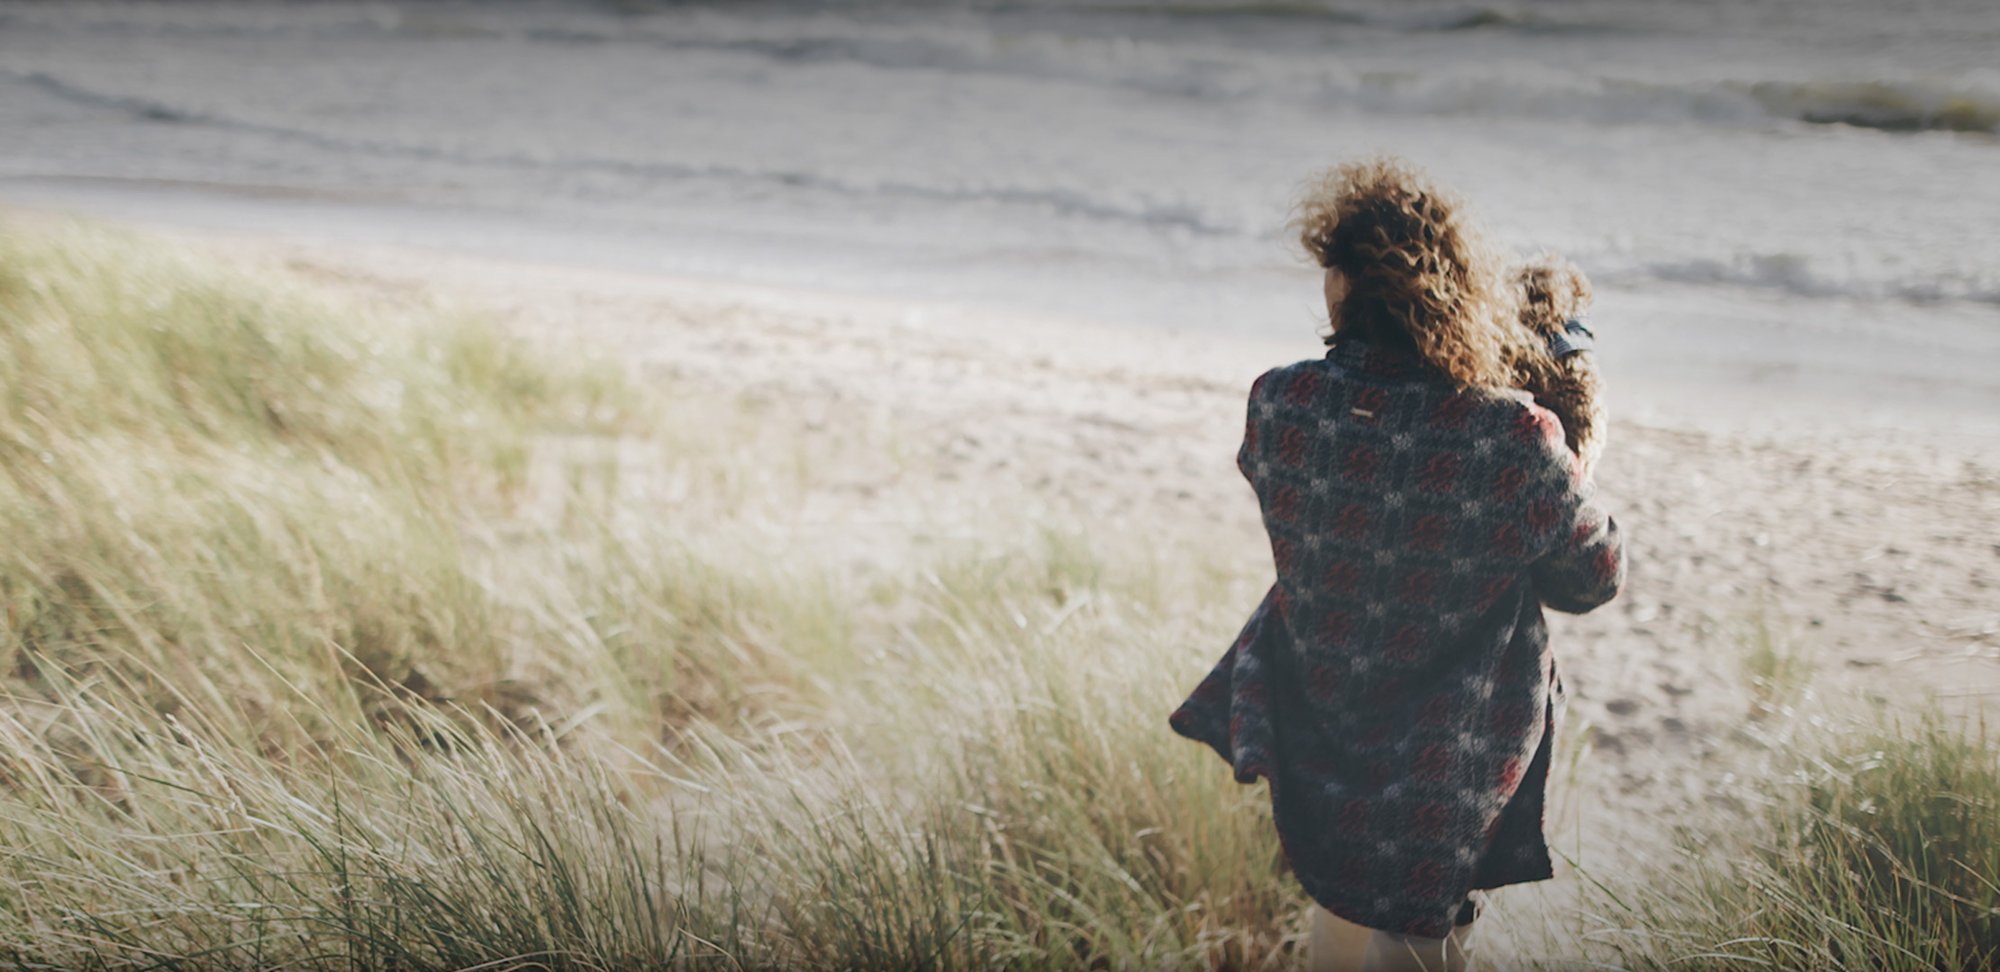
[1788, 207]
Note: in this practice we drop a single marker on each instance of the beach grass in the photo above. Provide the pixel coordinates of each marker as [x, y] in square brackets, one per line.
[1880, 849]
[1778, 671]
[349, 636]
[334, 638]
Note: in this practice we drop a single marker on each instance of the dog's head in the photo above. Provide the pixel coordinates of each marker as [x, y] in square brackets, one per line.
[1553, 291]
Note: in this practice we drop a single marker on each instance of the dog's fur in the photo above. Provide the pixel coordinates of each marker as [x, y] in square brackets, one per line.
[1553, 291]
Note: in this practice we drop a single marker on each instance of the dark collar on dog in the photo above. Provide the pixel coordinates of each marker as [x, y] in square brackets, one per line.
[1575, 338]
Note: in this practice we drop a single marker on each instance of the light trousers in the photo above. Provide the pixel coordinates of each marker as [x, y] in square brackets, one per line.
[1339, 945]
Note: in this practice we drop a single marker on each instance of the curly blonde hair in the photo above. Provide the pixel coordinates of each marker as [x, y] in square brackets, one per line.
[1417, 273]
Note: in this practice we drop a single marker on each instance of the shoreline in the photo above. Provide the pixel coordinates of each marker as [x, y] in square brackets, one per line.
[1867, 548]
[1783, 380]
[1065, 414]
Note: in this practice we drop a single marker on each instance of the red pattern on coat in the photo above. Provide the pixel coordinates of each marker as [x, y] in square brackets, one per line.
[1402, 656]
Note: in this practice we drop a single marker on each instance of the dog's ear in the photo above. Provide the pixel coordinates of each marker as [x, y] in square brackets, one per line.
[1578, 285]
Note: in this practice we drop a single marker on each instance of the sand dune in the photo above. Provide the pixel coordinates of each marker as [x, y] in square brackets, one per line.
[1858, 571]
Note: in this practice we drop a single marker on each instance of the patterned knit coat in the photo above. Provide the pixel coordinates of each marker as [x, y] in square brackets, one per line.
[1395, 687]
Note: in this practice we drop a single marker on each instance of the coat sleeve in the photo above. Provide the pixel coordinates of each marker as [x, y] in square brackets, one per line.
[1584, 566]
[1588, 568]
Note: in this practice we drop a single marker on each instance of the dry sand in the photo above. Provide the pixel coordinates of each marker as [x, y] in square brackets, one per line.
[1874, 560]
[1872, 563]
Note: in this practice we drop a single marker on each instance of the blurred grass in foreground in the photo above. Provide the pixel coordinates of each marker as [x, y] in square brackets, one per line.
[333, 639]
[343, 638]
[1881, 851]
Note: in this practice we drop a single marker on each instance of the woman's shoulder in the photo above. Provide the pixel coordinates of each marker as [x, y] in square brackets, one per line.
[1508, 421]
[1513, 404]
[1526, 430]
[1285, 372]
[1290, 381]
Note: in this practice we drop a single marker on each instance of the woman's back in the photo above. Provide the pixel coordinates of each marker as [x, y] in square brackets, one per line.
[1403, 512]
[1396, 686]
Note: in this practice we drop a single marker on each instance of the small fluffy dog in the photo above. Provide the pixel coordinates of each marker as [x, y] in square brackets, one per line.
[1553, 360]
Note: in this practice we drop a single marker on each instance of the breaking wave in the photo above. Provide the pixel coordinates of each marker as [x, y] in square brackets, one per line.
[1790, 273]
[1448, 18]
[1799, 275]
[1202, 69]
[1153, 214]
[1888, 106]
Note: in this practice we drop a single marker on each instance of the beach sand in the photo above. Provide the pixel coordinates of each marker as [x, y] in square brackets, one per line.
[1864, 570]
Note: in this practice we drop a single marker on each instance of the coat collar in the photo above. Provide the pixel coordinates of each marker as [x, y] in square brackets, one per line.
[1354, 354]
